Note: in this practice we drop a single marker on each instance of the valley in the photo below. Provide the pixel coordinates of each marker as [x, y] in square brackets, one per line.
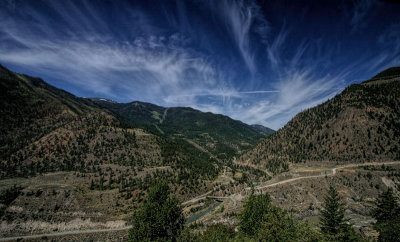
[302, 186]
[77, 167]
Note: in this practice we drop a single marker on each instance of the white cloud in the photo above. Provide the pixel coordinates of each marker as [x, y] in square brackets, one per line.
[296, 91]
[150, 65]
[242, 18]
[162, 69]
[274, 50]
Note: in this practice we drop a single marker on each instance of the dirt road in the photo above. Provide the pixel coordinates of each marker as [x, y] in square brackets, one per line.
[331, 173]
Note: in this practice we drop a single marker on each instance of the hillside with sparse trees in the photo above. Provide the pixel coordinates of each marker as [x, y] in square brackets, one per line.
[360, 124]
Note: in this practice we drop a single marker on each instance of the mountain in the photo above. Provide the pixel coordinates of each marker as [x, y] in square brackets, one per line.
[45, 129]
[218, 135]
[262, 129]
[360, 124]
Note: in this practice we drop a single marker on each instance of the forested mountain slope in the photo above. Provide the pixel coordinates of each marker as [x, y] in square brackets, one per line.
[47, 129]
[219, 135]
[360, 124]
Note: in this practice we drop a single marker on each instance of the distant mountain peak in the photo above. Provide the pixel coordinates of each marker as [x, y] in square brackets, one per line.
[262, 129]
[98, 99]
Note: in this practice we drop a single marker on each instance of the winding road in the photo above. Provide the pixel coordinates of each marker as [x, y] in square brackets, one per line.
[331, 171]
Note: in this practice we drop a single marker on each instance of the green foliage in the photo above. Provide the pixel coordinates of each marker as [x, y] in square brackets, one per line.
[253, 214]
[187, 235]
[160, 217]
[387, 215]
[261, 221]
[305, 233]
[188, 158]
[333, 223]
[277, 226]
[217, 233]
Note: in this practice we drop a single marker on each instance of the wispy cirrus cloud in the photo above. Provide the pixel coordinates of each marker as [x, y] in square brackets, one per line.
[164, 69]
[359, 13]
[243, 18]
[274, 49]
[229, 56]
[297, 89]
[152, 67]
[147, 67]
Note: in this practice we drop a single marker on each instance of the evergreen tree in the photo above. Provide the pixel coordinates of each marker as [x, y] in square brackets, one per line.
[253, 213]
[277, 226]
[333, 224]
[217, 233]
[387, 215]
[261, 221]
[91, 184]
[159, 219]
[101, 182]
[110, 181]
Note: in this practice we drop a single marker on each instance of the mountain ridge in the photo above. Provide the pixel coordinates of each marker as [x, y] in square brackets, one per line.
[217, 133]
[48, 129]
[265, 130]
[359, 124]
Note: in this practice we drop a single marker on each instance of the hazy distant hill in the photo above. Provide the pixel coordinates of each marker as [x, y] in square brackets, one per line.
[264, 130]
[360, 124]
[220, 135]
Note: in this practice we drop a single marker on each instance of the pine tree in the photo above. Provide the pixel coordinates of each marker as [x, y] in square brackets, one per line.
[252, 215]
[110, 181]
[262, 221]
[333, 223]
[387, 215]
[159, 219]
[101, 182]
[91, 184]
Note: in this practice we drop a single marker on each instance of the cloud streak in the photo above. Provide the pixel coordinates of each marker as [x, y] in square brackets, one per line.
[243, 19]
[230, 56]
[359, 13]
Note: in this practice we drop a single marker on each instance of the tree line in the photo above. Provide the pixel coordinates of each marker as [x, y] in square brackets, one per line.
[160, 218]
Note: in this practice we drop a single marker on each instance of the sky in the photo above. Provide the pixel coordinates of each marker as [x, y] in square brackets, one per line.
[261, 62]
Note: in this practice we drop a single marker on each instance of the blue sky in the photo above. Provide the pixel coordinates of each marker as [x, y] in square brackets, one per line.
[256, 61]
